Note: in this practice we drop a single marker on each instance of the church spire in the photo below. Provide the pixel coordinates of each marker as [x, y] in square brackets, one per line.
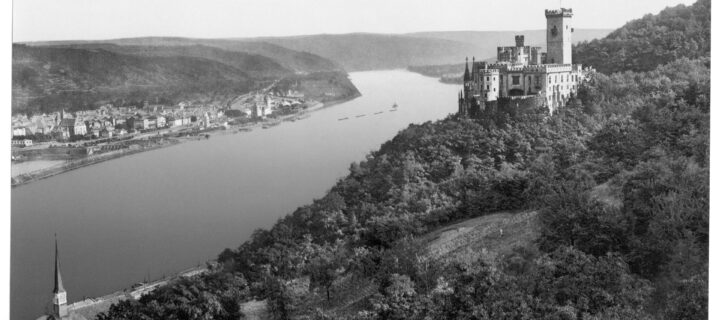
[58, 279]
[60, 307]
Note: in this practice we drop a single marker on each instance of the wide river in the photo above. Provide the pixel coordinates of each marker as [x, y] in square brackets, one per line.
[158, 212]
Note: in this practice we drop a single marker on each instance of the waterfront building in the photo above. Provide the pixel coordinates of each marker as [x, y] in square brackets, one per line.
[524, 77]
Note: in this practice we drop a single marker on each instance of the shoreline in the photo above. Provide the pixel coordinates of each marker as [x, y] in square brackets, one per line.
[167, 141]
[90, 307]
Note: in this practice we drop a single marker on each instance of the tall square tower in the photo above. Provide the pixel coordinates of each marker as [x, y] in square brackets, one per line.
[559, 36]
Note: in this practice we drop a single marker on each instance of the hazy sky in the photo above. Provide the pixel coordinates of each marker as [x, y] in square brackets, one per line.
[35, 20]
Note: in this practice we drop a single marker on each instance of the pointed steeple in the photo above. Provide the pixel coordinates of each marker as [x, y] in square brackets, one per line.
[472, 69]
[467, 71]
[58, 279]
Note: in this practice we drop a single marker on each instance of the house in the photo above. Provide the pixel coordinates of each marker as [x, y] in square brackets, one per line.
[137, 122]
[170, 121]
[161, 121]
[43, 126]
[18, 131]
[151, 122]
[72, 127]
[105, 133]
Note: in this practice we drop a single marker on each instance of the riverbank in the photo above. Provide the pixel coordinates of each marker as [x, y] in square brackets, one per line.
[166, 140]
[91, 307]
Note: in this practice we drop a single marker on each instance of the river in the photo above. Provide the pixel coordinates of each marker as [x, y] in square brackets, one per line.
[155, 213]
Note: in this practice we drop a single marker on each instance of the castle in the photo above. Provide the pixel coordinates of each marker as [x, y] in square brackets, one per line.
[523, 77]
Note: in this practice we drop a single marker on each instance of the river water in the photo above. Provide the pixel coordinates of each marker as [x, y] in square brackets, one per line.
[158, 212]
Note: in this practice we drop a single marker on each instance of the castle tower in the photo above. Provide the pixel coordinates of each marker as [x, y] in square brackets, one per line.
[467, 80]
[559, 36]
[60, 309]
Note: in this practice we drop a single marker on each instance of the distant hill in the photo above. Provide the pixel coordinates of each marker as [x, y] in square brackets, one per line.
[486, 42]
[643, 44]
[47, 79]
[257, 66]
[290, 59]
[79, 75]
[365, 51]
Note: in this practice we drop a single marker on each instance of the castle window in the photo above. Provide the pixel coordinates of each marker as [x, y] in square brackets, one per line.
[494, 78]
[487, 87]
[515, 80]
[487, 78]
[494, 89]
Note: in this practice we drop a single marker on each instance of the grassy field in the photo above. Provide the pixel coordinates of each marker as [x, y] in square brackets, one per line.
[483, 237]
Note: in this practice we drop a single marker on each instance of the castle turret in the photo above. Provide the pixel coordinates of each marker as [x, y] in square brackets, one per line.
[519, 41]
[466, 77]
[559, 36]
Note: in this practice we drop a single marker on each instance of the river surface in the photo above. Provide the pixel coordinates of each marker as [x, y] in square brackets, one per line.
[155, 213]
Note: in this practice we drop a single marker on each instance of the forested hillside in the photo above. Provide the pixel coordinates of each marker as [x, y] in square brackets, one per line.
[643, 44]
[619, 180]
[255, 65]
[47, 79]
[291, 59]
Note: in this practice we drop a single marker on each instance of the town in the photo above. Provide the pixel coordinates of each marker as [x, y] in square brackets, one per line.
[111, 131]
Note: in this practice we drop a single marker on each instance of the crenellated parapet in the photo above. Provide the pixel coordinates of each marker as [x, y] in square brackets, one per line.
[562, 12]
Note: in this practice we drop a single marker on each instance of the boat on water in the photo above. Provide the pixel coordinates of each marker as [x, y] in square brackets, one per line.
[395, 105]
[379, 112]
[341, 119]
[359, 116]
[393, 110]
[270, 124]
